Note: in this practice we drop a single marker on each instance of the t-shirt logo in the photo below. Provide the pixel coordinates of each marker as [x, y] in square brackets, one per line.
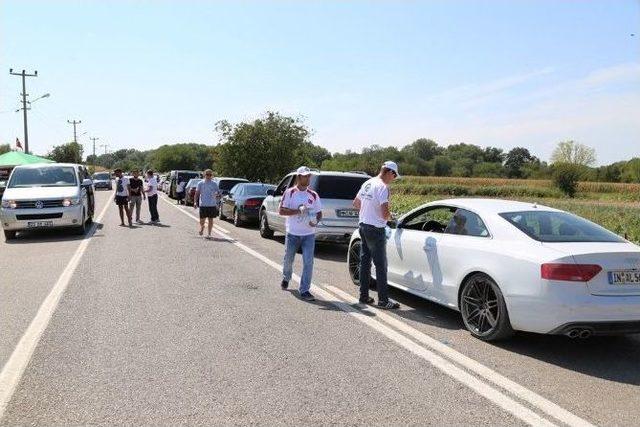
[367, 187]
[119, 187]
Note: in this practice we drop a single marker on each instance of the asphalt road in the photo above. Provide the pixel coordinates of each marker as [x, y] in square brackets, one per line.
[156, 325]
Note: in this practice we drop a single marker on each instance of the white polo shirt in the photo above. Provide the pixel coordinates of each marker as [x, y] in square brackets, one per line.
[293, 198]
[373, 194]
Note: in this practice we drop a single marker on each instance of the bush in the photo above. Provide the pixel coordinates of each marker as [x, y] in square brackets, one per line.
[566, 177]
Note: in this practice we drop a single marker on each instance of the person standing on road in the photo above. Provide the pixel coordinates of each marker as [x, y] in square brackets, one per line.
[136, 195]
[122, 196]
[303, 210]
[206, 199]
[180, 192]
[372, 202]
[152, 196]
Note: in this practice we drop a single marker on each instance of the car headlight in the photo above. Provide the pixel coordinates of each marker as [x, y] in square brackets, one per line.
[70, 201]
[10, 204]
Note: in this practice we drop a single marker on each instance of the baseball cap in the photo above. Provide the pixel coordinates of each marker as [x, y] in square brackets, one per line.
[303, 170]
[393, 166]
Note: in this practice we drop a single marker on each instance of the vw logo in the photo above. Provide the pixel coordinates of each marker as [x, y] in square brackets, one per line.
[39, 204]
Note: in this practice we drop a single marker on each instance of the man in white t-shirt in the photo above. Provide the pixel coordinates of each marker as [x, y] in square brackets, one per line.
[122, 196]
[303, 210]
[373, 203]
[152, 197]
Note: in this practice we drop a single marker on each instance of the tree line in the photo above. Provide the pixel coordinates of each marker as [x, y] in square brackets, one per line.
[267, 148]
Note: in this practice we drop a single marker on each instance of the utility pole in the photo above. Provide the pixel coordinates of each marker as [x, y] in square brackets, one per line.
[74, 123]
[24, 103]
[105, 147]
[94, 139]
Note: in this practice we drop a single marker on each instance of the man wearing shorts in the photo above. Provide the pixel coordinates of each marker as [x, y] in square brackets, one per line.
[122, 196]
[136, 195]
[206, 198]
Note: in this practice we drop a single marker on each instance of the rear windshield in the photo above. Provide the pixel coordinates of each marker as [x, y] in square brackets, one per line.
[546, 226]
[258, 189]
[193, 182]
[185, 176]
[228, 184]
[337, 187]
[62, 176]
[101, 176]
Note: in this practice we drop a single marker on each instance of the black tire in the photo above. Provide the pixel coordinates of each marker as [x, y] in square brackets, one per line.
[236, 219]
[483, 309]
[82, 228]
[265, 231]
[353, 263]
[9, 234]
[221, 215]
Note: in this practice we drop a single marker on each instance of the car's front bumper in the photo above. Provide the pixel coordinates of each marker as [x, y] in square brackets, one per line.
[102, 184]
[563, 305]
[19, 219]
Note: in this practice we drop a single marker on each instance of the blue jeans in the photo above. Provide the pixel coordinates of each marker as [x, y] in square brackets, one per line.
[373, 247]
[292, 243]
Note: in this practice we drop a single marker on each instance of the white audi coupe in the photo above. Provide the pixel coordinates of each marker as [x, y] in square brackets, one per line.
[513, 266]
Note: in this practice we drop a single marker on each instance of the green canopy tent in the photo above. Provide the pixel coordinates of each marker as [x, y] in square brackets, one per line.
[15, 158]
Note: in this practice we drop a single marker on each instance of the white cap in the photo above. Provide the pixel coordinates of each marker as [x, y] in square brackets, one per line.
[303, 170]
[393, 166]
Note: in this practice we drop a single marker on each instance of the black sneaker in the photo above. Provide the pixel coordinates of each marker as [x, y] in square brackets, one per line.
[367, 300]
[284, 284]
[307, 296]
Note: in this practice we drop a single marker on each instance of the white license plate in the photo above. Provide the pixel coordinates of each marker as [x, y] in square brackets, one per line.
[624, 277]
[35, 224]
[347, 213]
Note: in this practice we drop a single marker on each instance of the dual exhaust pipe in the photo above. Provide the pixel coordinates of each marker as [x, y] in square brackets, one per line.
[582, 333]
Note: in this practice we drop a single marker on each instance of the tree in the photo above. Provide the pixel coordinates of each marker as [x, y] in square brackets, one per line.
[313, 155]
[189, 156]
[265, 149]
[442, 166]
[70, 152]
[566, 177]
[422, 148]
[631, 170]
[516, 159]
[5, 148]
[573, 153]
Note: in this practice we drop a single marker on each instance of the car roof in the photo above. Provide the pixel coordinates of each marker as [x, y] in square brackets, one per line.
[335, 173]
[219, 178]
[47, 165]
[492, 206]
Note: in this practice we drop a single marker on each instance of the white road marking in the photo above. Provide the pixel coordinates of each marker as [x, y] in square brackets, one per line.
[518, 410]
[516, 389]
[14, 368]
[223, 230]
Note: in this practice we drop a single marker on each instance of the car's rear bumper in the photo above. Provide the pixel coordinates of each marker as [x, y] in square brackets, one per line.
[565, 305]
[19, 219]
[333, 234]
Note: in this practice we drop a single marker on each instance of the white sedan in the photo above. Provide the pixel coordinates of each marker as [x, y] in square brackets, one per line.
[512, 266]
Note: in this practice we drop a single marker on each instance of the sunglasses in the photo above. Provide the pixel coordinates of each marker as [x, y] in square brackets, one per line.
[207, 174]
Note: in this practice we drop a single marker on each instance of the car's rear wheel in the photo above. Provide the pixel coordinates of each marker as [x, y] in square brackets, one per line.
[353, 263]
[9, 234]
[265, 231]
[237, 221]
[483, 309]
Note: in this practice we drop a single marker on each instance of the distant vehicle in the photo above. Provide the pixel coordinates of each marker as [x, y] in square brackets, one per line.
[161, 181]
[336, 190]
[512, 266]
[102, 180]
[48, 195]
[225, 184]
[243, 202]
[190, 191]
[180, 175]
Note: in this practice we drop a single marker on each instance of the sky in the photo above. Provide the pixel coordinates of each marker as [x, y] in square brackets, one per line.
[140, 74]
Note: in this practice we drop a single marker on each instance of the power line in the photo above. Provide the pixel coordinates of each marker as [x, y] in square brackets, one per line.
[24, 94]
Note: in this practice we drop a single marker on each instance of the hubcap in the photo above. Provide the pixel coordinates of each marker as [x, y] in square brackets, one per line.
[354, 261]
[480, 306]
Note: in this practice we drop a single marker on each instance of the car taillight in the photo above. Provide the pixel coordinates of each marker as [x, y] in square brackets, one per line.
[252, 203]
[569, 272]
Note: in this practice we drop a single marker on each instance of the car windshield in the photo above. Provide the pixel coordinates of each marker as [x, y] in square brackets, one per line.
[337, 187]
[101, 176]
[258, 189]
[546, 226]
[193, 182]
[228, 184]
[62, 176]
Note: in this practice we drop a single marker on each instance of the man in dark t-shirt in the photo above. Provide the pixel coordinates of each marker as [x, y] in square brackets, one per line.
[136, 194]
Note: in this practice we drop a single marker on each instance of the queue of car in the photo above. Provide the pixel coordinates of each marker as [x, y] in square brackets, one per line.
[506, 266]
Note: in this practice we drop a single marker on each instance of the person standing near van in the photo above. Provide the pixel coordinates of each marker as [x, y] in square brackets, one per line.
[180, 192]
[152, 196]
[303, 210]
[136, 194]
[206, 200]
[122, 196]
[372, 202]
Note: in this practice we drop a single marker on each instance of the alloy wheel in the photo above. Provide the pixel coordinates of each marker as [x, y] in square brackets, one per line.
[480, 306]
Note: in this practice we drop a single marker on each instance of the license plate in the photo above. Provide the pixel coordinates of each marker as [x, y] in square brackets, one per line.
[36, 224]
[624, 277]
[347, 213]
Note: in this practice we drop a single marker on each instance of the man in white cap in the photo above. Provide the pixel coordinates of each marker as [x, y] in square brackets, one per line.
[373, 203]
[303, 210]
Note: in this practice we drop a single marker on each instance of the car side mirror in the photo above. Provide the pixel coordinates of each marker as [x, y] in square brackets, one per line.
[271, 192]
[392, 223]
[86, 182]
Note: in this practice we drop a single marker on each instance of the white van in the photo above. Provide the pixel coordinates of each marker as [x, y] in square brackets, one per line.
[47, 195]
